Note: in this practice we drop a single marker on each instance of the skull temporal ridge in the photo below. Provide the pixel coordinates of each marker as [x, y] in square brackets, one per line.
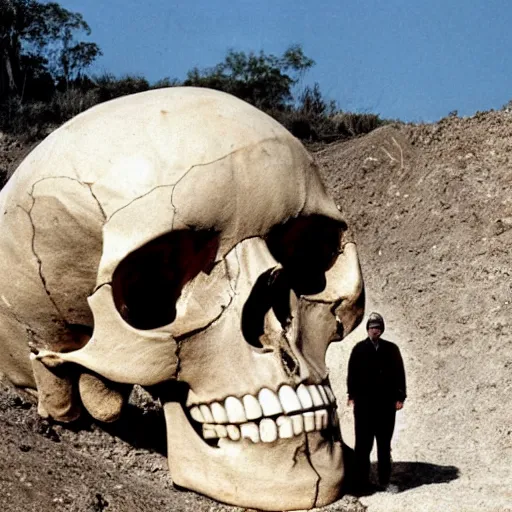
[182, 238]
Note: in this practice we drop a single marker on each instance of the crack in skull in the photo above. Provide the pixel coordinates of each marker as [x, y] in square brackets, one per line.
[307, 453]
[166, 286]
[40, 261]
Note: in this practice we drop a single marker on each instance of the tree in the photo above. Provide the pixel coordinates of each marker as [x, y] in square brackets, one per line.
[55, 38]
[264, 80]
[39, 39]
[312, 102]
[7, 54]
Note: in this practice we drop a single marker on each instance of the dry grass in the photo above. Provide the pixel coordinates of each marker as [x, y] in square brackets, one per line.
[34, 120]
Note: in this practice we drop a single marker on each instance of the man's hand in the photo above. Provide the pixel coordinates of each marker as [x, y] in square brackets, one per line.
[399, 405]
[350, 402]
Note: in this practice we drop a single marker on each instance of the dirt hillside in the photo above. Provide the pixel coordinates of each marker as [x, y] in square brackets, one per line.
[431, 207]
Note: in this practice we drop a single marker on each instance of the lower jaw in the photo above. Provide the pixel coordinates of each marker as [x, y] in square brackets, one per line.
[302, 472]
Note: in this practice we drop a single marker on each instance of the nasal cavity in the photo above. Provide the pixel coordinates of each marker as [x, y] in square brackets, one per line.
[269, 295]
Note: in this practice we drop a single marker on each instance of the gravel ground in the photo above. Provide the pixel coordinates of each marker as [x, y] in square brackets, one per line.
[431, 208]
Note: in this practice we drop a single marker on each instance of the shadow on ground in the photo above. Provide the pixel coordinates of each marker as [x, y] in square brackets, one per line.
[408, 475]
[141, 428]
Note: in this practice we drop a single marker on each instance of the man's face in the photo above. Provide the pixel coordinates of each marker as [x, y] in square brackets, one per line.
[374, 333]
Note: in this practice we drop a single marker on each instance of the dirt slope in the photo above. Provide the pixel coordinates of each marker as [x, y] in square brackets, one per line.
[432, 210]
[431, 207]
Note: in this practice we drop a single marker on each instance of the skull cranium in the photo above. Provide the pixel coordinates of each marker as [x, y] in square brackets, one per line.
[181, 237]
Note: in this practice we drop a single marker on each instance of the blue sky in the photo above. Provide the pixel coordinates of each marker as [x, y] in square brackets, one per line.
[414, 60]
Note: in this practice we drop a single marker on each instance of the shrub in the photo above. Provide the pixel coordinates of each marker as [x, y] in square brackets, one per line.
[350, 124]
[70, 103]
[310, 126]
[110, 87]
[35, 119]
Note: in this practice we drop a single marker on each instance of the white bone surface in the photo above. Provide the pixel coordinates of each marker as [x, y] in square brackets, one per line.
[268, 430]
[221, 431]
[323, 395]
[330, 394]
[289, 400]
[284, 424]
[235, 410]
[315, 396]
[250, 431]
[219, 413]
[253, 409]
[309, 421]
[269, 402]
[197, 415]
[217, 197]
[297, 424]
[304, 396]
[233, 432]
[209, 432]
[207, 413]
[321, 419]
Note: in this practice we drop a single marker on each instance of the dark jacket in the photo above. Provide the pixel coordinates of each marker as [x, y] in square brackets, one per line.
[375, 375]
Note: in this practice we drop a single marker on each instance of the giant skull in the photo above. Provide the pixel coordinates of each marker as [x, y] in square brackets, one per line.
[181, 239]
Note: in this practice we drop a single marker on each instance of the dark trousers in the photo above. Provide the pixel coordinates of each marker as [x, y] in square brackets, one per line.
[373, 419]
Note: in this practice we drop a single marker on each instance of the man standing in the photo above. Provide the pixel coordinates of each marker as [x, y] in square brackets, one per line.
[376, 389]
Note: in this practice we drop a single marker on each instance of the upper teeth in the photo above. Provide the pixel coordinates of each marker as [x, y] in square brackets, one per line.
[285, 414]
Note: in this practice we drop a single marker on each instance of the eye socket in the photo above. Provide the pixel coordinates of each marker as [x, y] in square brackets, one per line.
[307, 247]
[148, 282]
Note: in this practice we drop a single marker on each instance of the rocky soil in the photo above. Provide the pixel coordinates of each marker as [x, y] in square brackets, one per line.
[431, 208]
